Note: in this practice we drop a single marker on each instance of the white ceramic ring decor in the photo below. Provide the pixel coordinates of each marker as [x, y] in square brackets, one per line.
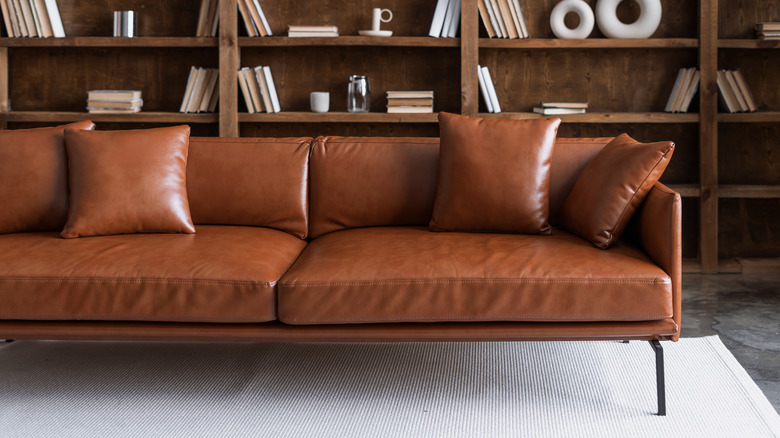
[643, 27]
[578, 7]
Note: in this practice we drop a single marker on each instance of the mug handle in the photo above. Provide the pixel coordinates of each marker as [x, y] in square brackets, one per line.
[382, 13]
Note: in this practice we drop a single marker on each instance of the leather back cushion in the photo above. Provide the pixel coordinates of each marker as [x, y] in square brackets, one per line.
[391, 181]
[249, 181]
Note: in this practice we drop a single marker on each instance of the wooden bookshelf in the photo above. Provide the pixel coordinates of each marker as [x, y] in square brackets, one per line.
[725, 165]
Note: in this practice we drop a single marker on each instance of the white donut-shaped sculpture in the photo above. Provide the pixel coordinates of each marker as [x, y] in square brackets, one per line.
[578, 7]
[643, 27]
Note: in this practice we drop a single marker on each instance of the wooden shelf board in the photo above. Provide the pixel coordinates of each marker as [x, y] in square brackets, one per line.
[686, 190]
[748, 44]
[749, 191]
[401, 41]
[649, 117]
[589, 43]
[141, 117]
[337, 117]
[759, 265]
[754, 117]
[88, 41]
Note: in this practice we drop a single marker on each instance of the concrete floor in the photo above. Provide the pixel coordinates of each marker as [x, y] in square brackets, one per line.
[744, 310]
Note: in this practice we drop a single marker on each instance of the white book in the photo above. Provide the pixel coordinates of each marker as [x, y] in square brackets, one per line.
[211, 82]
[437, 24]
[675, 90]
[300, 34]
[421, 109]
[29, 21]
[558, 111]
[198, 89]
[392, 94]
[272, 89]
[743, 106]
[491, 89]
[8, 26]
[254, 15]
[694, 86]
[493, 21]
[298, 28]
[521, 16]
[54, 17]
[455, 23]
[245, 91]
[725, 94]
[44, 17]
[686, 79]
[188, 90]
[499, 19]
[484, 90]
[451, 6]
[254, 88]
[19, 18]
[265, 93]
[243, 13]
[262, 18]
[515, 18]
[36, 18]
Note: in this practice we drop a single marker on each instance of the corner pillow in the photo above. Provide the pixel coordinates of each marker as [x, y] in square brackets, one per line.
[128, 182]
[34, 178]
[494, 175]
[612, 186]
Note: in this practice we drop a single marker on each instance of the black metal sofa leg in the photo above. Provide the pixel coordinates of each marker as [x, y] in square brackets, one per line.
[659, 376]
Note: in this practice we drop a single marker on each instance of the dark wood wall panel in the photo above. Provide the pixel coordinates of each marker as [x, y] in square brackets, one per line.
[341, 129]
[760, 68]
[690, 228]
[632, 80]
[299, 71]
[749, 153]
[37, 82]
[749, 228]
[155, 17]
[737, 18]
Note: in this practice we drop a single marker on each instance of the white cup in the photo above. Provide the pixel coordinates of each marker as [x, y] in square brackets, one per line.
[377, 19]
[320, 101]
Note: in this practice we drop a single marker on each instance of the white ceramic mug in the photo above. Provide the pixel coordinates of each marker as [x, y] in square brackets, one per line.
[320, 101]
[377, 19]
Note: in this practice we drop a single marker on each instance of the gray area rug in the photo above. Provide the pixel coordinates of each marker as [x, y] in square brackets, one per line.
[112, 389]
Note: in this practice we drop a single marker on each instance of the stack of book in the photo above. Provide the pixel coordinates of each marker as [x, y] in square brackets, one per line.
[503, 18]
[202, 92]
[250, 11]
[257, 86]
[114, 101]
[768, 31]
[561, 108]
[685, 87]
[488, 90]
[734, 93]
[32, 18]
[446, 19]
[208, 19]
[312, 31]
[410, 101]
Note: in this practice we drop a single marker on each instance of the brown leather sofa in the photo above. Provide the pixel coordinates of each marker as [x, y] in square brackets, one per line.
[302, 240]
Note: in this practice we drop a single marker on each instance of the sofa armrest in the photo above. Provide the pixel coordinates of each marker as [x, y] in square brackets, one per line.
[660, 235]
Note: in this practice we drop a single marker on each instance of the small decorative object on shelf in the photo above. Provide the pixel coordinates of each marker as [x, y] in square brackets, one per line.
[768, 30]
[644, 26]
[561, 108]
[503, 18]
[358, 94]
[312, 31]
[202, 92]
[488, 90]
[125, 23]
[685, 87]
[257, 86]
[114, 101]
[734, 93]
[410, 101]
[446, 19]
[319, 101]
[32, 18]
[376, 23]
[577, 7]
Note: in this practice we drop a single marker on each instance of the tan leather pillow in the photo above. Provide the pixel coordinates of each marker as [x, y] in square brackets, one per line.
[128, 182]
[494, 175]
[34, 178]
[612, 186]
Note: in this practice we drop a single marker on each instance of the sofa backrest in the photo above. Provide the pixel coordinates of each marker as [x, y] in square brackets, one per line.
[391, 181]
[249, 181]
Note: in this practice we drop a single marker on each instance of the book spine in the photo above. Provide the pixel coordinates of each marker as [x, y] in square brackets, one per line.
[484, 90]
[492, 90]
[36, 18]
[265, 94]
[203, 15]
[245, 91]
[187, 91]
[272, 89]
[523, 22]
[263, 20]
[54, 17]
[254, 88]
[515, 18]
[675, 89]
[437, 24]
[483, 14]
[6, 18]
[43, 15]
[455, 23]
[250, 29]
[499, 19]
[29, 21]
[690, 92]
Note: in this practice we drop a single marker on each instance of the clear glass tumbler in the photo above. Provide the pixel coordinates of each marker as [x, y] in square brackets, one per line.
[358, 94]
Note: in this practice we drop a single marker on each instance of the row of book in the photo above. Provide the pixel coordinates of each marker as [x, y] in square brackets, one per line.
[202, 92]
[734, 93]
[410, 101]
[561, 108]
[250, 11]
[446, 19]
[257, 86]
[685, 87]
[503, 18]
[32, 18]
[114, 101]
[312, 31]
[488, 90]
[768, 30]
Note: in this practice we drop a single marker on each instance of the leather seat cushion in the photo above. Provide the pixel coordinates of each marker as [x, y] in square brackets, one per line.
[409, 274]
[220, 274]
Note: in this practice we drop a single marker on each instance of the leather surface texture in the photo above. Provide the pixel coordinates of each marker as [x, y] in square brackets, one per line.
[34, 178]
[372, 181]
[611, 188]
[494, 175]
[220, 274]
[250, 181]
[131, 181]
[406, 274]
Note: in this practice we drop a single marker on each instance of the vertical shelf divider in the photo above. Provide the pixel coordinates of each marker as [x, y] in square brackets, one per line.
[228, 65]
[708, 136]
[469, 58]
